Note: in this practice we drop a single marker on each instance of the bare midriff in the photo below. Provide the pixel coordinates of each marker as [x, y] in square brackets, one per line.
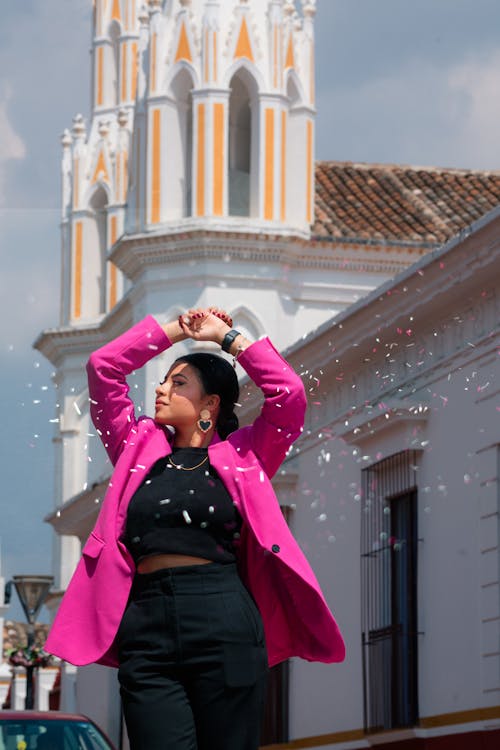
[158, 562]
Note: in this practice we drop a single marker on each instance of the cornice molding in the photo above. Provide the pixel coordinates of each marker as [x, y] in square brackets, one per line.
[56, 344]
[132, 254]
[365, 427]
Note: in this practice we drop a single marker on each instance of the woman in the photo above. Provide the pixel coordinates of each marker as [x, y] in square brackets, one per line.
[189, 525]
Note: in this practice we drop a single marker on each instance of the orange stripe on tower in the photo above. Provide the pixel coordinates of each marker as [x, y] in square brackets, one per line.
[124, 71]
[134, 71]
[200, 163]
[155, 169]
[99, 98]
[77, 309]
[290, 55]
[269, 169]
[243, 46]
[283, 165]
[100, 169]
[183, 48]
[218, 159]
[116, 13]
[309, 170]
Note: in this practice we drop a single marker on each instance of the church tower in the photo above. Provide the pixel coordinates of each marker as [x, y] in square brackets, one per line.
[202, 122]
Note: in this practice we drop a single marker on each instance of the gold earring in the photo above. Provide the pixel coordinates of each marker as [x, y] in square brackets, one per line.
[205, 421]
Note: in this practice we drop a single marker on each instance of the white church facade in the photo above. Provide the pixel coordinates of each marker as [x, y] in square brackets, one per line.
[195, 183]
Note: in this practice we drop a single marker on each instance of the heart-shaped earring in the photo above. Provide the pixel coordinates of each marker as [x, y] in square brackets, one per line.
[205, 421]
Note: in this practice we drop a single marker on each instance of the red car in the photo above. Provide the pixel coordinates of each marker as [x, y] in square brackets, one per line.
[50, 730]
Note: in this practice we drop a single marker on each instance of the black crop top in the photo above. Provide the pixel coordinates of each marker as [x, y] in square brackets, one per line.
[175, 511]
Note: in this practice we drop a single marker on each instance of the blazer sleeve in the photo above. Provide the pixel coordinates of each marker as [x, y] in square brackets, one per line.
[281, 419]
[111, 408]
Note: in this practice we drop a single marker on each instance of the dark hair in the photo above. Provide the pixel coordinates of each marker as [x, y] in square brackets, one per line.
[217, 376]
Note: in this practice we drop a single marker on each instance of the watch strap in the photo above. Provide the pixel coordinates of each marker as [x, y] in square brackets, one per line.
[228, 339]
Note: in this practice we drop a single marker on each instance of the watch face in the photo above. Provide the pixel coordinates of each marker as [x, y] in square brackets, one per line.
[228, 339]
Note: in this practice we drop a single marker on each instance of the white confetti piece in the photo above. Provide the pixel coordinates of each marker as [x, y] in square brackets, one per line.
[186, 516]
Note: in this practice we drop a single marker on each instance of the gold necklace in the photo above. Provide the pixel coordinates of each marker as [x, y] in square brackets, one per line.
[183, 468]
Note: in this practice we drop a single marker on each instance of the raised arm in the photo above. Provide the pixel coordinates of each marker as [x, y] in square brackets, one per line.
[111, 408]
[281, 419]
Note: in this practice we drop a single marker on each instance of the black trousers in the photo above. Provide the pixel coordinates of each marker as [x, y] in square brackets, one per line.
[193, 662]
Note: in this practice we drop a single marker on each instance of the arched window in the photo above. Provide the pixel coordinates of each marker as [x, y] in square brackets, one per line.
[179, 145]
[242, 171]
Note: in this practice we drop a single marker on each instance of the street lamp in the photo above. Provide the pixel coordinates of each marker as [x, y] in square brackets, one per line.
[32, 592]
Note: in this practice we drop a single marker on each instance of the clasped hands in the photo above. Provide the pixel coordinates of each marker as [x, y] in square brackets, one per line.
[205, 324]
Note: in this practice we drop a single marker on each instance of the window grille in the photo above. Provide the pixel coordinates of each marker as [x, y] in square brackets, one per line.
[389, 592]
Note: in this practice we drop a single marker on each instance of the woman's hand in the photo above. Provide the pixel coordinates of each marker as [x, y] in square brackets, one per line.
[210, 324]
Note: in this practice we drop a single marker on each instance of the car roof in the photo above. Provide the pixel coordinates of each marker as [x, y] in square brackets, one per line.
[41, 716]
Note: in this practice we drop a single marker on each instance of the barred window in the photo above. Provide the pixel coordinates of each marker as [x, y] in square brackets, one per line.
[389, 592]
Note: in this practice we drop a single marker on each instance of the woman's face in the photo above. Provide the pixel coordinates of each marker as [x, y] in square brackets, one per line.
[180, 397]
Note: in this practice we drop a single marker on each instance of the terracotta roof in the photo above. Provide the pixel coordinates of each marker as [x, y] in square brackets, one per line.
[398, 203]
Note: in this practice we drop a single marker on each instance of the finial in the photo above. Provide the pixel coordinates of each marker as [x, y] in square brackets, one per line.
[297, 21]
[66, 138]
[289, 8]
[122, 117]
[143, 15]
[309, 8]
[78, 126]
[103, 128]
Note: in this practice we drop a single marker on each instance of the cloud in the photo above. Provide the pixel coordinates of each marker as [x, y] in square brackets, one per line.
[11, 144]
[477, 130]
[422, 113]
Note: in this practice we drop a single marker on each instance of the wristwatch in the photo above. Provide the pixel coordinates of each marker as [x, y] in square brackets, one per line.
[228, 339]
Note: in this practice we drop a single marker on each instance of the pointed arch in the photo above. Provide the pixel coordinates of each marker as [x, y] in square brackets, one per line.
[173, 72]
[251, 72]
[247, 322]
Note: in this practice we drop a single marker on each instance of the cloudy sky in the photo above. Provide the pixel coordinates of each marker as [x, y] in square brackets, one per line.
[397, 81]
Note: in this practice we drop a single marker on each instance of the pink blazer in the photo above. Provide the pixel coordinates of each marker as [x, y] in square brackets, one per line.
[297, 620]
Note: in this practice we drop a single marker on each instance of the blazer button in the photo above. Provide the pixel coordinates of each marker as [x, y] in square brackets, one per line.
[275, 548]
